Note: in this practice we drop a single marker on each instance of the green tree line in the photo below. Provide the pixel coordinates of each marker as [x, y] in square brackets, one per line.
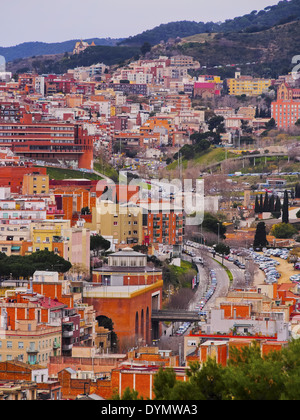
[17, 266]
[248, 376]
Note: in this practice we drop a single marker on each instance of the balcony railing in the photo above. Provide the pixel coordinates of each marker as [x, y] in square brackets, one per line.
[67, 334]
[56, 345]
[66, 347]
[32, 350]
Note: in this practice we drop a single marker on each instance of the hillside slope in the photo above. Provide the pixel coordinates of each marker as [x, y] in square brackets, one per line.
[29, 49]
[283, 12]
[272, 50]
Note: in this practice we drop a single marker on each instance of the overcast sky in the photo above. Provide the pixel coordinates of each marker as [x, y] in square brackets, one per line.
[62, 20]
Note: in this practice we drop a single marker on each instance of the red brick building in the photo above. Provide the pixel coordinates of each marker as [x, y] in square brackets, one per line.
[48, 141]
[286, 112]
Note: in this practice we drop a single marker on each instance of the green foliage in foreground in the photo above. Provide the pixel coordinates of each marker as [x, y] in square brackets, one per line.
[25, 266]
[247, 376]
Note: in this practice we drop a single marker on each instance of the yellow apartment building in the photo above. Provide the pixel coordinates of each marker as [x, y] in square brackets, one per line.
[35, 184]
[71, 243]
[247, 86]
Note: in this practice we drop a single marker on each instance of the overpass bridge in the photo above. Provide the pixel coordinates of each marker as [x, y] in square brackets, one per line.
[244, 157]
[175, 316]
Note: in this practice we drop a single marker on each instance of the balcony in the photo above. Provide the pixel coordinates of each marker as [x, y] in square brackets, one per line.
[67, 334]
[32, 350]
[56, 345]
[67, 347]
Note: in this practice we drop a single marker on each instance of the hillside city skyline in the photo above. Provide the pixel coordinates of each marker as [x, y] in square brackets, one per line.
[150, 207]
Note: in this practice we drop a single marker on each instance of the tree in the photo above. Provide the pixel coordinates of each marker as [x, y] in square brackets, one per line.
[25, 266]
[260, 240]
[271, 124]
[284, 231]
[261, 203]
[285, 208]
[164, 382]
[248, 375]
[272, 204]
[212, 224]
[99, 243]
[128, 395]
[145, 48]
[216, 123]
[85, 211]
[266, 206]
[222, 249]
[298, 214]
[257, 206]
[297, 190]
[277, 209]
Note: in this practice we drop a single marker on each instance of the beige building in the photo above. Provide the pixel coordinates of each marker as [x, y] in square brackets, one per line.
[122, 223]
[30, 343]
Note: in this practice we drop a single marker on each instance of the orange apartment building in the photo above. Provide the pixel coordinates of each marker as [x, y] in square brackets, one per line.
[286, 112]
[164, 223]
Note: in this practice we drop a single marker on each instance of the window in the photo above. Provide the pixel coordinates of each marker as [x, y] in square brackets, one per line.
[20, 345]
[9, 344]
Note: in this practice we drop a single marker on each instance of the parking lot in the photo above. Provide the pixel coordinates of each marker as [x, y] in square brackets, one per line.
[275, 265]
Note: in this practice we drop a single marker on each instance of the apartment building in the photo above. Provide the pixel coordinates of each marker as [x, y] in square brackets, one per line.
[35, 183]
[184, 61]
[247, 85]
[12, 176]
[121, 223]
[164, 223]
[29, 332]
[10, 111]
[71, 243]
[16, 390]
[285, 112]
[48, 141]
[22, 209]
